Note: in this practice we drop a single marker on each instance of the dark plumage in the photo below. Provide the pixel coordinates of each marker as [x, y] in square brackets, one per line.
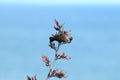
[62, 37]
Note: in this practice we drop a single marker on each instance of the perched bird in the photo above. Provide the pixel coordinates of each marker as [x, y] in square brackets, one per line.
[61, 37]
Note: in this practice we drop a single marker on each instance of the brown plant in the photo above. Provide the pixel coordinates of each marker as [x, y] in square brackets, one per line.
[61, 37]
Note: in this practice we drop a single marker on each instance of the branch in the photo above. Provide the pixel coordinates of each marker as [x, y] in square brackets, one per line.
[62, 37]
[54, 61]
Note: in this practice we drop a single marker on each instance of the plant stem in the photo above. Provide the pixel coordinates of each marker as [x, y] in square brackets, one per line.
[54, 61]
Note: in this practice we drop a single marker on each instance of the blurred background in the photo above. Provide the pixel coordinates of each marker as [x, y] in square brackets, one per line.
[25, 28]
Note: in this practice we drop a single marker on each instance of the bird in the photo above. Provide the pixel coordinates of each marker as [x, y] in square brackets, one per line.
[61, 38]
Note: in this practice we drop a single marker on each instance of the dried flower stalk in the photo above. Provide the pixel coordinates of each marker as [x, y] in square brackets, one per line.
[56, 40]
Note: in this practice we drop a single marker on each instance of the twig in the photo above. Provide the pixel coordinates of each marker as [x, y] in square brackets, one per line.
[54, 61]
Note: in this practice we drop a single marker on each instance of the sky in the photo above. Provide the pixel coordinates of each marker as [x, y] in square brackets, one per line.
[61, 2]
[25, 32]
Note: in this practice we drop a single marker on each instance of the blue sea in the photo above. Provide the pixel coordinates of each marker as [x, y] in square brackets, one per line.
[24, 38]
